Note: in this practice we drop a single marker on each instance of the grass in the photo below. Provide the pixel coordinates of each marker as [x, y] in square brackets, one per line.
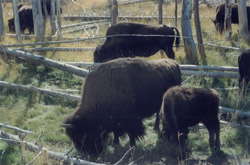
[45, 114]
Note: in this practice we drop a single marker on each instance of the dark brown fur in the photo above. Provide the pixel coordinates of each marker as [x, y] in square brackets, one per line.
[244, 71]
[25, 18]
[117, 95]
[220, 16]
[131, 46]
[185, 107]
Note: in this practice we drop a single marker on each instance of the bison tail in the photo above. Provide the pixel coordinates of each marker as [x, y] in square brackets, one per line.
[177, 37]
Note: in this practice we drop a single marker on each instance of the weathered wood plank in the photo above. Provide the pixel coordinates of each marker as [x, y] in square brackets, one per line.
[45, 61]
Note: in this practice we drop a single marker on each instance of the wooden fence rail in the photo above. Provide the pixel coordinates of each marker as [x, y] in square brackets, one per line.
[210, 74]
[183, 67]
[45, 61]
[43, 49]
[236, 111]
[61, 157]
[83, 72]
[78, 98]
[39, 90]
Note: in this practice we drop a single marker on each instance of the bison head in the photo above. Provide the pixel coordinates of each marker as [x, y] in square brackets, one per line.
[219, 25]
[87, 136]
[99, 54]
[103, 54]
[11, 25]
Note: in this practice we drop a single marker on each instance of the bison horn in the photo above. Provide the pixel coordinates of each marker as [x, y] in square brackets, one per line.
[67, 125]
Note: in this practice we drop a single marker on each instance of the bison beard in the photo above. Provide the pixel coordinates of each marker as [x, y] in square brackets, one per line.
[116, 97]
[244, 71]
[220, 16]
[131, 46]
[186, 107]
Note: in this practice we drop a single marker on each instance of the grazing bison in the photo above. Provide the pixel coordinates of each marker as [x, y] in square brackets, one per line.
[244, 71]
[116, 97]
[143, 45]
[185, 107]
[25, 18]
[220, 16]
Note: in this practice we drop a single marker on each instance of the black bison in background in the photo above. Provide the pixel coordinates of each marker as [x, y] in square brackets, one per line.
[116, 97]
[220, 16]
[244, 71]
[143, 45]
[26, 17]
[185, 107]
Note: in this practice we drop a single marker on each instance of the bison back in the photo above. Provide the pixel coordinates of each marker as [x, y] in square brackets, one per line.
[189, 106]
[130, 86]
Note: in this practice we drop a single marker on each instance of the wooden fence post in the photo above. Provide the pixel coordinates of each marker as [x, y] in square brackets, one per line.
[198, 32]
[1, 22]
[17, 22]
[38, 20]
[160, 11]
[114, 11]
[190, 48]
[227, 22]
[45, 16]
[176, 13]
[243, 21]
[59, 24]
[52, 17]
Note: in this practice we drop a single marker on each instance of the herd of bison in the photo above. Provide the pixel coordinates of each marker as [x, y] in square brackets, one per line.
[121, 92]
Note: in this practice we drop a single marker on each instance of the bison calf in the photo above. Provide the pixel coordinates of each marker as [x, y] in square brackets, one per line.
[185, 107]
[244, 71]
[116, 97]
[131, 39]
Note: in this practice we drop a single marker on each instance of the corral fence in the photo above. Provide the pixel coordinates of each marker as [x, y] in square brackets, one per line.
[55, 17]
[186, 70]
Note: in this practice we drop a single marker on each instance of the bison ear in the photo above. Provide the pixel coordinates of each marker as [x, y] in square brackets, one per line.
[67, 125]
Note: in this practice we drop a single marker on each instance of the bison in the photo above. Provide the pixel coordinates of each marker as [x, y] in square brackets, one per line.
[244, 71]
[116, 97]
[220, 16]
[25, 18]
[185, 107]
[132, 39]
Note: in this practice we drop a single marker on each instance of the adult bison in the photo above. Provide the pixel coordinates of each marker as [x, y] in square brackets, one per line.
[132, 39]
[25, 18]
[220, 16]
[116, 97]
[244, 71]
[185, 107]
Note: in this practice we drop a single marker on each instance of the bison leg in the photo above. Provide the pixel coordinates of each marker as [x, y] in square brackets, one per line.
[217, 132]
[135, 130]
[157, 122]
[242, 86]
[116, 138]
[213, 127]
[170, 53]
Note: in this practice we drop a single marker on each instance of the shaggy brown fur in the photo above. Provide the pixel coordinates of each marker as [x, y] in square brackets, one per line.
[25, 18]
[220, 16]
[131, 46]
[185, 107]
[116, 96]
[244, 71]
